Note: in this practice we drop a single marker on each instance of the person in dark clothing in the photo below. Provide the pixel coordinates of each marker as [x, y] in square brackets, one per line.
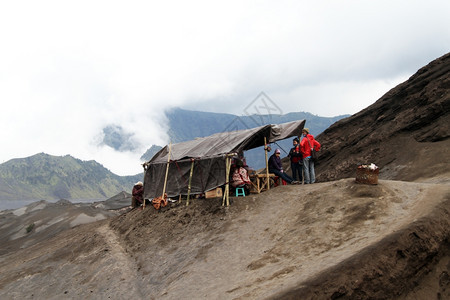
[296, 158]
[276, 167]
[137, 194]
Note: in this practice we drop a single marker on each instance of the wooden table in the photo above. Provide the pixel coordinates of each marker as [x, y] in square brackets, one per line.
[260, 183]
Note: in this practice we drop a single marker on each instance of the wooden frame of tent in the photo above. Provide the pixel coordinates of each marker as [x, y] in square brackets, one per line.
[212, 155]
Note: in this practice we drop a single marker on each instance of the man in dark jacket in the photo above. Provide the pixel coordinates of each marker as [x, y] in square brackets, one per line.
[276, 167]
[296, 160]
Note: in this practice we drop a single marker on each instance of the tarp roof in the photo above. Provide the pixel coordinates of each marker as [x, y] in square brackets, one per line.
[208, 154]
[229, 142]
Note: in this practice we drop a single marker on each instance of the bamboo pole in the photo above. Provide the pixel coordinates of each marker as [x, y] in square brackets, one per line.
[167, 170]
[143, 198]
[190, 180]
[228, 183]
[267, 164]
[227, 179]
[226, 194]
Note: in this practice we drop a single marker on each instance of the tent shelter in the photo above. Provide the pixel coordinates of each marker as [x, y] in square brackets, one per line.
[203, 164]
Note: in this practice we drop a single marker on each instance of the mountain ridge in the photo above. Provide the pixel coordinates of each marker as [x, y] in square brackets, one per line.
[184, 122]
[44, 176]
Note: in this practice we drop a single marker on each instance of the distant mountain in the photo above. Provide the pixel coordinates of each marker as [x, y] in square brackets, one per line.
[185, 125]
[117, 138]
[150, 152]
[48, 177]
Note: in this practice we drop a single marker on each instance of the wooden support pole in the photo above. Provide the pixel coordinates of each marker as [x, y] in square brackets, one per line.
[143, 198]
[267, 164]
[167, 170]
[226, 181]
[226, 194]
[190, 180]
[228, 184]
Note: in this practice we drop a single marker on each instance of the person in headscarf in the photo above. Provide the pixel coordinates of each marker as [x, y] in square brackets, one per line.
[137, 194]
[240, 178]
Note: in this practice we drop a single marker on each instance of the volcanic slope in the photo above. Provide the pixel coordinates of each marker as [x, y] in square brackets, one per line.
[406, 132]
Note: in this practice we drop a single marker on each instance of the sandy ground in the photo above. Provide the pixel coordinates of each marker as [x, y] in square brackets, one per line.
[39, 221]
[327, 240]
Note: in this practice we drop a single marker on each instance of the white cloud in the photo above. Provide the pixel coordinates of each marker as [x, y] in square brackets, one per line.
[69, 69]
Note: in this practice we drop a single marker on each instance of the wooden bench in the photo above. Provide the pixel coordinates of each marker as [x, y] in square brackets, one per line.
[260, 182]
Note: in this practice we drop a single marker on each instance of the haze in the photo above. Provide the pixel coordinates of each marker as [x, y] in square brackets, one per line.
[69, 69]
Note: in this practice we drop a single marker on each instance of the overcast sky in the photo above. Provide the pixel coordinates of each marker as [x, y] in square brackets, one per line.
[70, 68]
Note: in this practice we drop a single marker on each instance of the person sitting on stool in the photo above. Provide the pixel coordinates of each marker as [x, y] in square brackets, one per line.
[240, 177]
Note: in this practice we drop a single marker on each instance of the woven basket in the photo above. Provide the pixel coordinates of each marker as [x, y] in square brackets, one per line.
[367, 176]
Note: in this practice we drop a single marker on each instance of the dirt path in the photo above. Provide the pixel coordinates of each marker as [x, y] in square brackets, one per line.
[87, 262]
[121, 263]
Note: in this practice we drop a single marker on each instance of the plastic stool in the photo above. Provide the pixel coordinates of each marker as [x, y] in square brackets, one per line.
[240, 191]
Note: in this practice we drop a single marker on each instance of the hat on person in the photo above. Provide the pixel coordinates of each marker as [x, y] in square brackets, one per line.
[306, 130]
[296, 140]
[139, 183]
[277, 151]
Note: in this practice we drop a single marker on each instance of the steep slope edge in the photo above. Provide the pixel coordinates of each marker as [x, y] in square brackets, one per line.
[406, 132]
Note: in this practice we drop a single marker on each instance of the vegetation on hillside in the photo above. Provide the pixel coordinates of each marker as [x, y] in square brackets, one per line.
[44, 176]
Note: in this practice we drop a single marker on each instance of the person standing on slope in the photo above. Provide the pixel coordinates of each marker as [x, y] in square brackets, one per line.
[295, 156]
[306, 145]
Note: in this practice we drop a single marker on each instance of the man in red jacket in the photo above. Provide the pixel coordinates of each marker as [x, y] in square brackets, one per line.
[308, 142]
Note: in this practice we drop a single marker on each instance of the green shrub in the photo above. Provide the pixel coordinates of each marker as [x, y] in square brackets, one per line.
[30, 227]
